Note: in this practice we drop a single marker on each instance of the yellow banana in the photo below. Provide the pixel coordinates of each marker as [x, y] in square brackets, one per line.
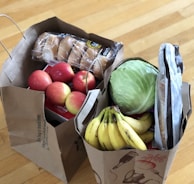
[103, 135]
[128, 134]
[139, 125]
[147, 136]
[116, 138]
[91, 133]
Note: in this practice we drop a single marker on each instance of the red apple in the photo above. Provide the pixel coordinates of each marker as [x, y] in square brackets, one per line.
[39, 80]
[61, 110]
[74, 101]
[57, 92]
[47, 69]
[83, 81]
[62, 72]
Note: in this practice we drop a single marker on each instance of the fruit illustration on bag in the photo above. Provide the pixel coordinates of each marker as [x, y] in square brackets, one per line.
[125, 159]
[145, 173]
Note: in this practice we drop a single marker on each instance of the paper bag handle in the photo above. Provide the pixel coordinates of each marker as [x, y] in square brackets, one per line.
[14, 22]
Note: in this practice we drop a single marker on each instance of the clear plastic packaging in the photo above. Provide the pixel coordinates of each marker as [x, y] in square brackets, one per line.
[79, 52]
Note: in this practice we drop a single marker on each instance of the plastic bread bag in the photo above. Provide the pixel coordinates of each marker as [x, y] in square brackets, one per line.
[79, 52]
[168, 98]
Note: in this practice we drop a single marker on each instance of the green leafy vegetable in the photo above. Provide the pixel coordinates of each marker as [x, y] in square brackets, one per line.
[132, 86]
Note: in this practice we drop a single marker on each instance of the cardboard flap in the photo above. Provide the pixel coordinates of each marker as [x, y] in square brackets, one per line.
[95, 101]
[86, 109]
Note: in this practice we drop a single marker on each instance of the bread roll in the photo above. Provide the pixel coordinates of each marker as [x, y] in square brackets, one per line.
[101, 63]
[65, 46]
[76, 53]
[50, 48]
[88, 58]
[38, 46]
[46, 47]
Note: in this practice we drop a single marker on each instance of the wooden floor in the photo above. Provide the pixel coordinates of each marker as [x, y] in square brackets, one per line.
[142, 25]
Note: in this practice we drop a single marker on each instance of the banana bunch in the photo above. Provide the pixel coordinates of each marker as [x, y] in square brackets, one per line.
[112, 130]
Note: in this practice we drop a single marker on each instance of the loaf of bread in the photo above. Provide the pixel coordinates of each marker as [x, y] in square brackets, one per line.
[78, 52]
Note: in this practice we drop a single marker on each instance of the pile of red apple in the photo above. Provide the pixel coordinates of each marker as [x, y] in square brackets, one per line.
[65, 90]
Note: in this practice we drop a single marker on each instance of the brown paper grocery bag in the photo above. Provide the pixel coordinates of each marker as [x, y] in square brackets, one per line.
[128, 165]
[57, 149]
[37, 133]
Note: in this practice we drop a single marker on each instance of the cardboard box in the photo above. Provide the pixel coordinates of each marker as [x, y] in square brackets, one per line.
[38, 134]
[127, 165]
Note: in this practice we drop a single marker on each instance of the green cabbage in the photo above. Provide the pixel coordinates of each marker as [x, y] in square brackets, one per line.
[132, 86]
